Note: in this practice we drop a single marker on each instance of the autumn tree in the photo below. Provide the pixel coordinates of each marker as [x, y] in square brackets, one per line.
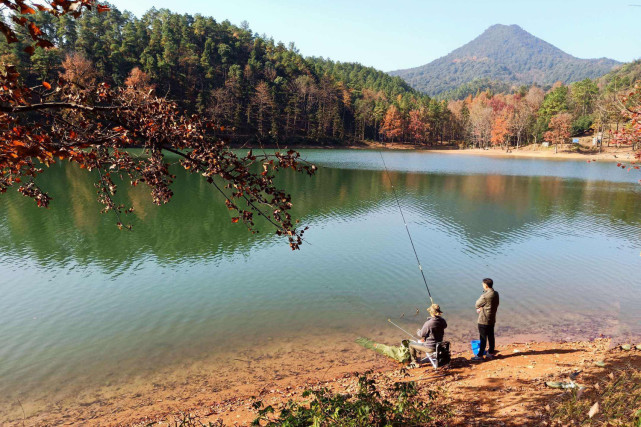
[631, 112]
[417, 126]
[262, 106]
[138, 80]
[93, 124]
[521, 117]
[559, 129]
[500, 128]
[78, 71]
[460, 116]
[608, 115]
[533, 100]
[224, 108]
[78, 74]
[392, 127]
[480, 120]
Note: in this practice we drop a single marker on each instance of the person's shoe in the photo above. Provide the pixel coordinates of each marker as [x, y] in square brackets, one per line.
[476, 359]
[489, 356]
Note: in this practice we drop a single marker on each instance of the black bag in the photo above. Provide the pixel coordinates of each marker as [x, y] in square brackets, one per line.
[443, 356]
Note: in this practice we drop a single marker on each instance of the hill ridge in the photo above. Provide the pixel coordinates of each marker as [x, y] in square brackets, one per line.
[506, 53]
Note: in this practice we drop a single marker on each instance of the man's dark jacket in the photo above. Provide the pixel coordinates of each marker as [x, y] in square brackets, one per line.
[488, 303]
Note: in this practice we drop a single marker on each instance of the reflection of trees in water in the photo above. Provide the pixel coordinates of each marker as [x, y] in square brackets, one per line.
[82, 199]
[495, 207]
[197, 224]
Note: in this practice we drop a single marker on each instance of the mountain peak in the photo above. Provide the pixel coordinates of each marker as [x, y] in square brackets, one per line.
[505, 53]
[501, 30]
[503, 27]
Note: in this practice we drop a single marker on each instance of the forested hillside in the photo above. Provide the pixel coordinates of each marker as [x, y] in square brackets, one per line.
[251, 86]
[506, 54]
[621, 78]
[476, 86]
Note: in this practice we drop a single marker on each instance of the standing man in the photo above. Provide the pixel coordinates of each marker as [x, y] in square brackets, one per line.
[486, 307]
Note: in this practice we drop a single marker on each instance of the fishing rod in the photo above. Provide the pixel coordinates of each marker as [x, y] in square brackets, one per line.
[420, 267]
[413, 337]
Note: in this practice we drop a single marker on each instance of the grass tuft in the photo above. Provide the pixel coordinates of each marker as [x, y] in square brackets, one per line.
[618, 395]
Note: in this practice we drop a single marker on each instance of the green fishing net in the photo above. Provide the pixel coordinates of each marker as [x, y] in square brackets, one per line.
[400, 354]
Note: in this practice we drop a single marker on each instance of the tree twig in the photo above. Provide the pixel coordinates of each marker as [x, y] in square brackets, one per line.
[60, 105]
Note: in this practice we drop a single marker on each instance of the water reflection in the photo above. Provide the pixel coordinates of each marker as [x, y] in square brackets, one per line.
[197, 225]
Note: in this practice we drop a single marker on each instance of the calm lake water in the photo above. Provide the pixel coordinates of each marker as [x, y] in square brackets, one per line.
[82, 300]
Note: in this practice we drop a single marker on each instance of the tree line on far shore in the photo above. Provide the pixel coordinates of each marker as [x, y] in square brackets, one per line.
[531, 114]
[259, 91]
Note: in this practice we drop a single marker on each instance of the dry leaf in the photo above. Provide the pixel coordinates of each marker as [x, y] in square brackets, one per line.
[594, 410]
[611, 375]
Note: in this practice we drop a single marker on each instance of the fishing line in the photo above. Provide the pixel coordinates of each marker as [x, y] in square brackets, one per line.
[413, 337]
[420, 267]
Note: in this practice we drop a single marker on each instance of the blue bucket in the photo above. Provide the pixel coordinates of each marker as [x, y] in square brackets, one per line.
[476, 345]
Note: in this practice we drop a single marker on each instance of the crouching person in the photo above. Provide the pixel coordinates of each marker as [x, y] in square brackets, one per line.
[429, 335]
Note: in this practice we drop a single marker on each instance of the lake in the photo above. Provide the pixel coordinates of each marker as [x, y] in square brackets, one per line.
[85, 304]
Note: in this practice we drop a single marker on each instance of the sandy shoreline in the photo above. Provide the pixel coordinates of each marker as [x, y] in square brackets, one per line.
[548, 154]
[613, 154]
[509, 390]
[226, 387]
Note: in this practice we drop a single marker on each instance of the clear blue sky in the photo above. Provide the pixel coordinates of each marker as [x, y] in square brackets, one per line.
[400, 34]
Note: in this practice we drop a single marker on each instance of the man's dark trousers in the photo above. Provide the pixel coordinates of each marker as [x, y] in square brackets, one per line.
[486, 333]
